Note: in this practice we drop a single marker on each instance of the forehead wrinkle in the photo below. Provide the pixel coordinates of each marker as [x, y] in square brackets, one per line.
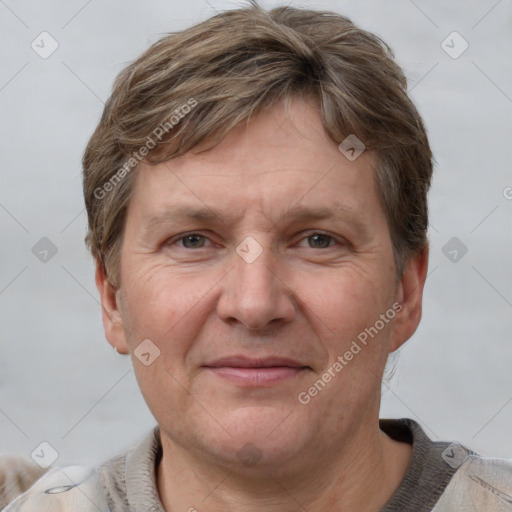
[220, 174]
[293, 214]
[296, 215]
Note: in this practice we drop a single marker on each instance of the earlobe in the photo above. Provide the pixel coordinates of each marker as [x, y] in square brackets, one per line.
[111, 313]
[410, 297]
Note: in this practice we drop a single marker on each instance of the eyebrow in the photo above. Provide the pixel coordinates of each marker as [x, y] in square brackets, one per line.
[296, 214]
[301, 213]
[180, 213]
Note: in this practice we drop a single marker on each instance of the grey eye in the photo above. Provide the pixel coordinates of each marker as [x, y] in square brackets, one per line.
[319, 241]
[193, 241]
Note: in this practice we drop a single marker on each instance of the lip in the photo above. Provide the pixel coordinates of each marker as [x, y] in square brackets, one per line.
[251, 362]
[256, 372]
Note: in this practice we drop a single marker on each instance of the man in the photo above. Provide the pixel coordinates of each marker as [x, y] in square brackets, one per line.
[257, 200]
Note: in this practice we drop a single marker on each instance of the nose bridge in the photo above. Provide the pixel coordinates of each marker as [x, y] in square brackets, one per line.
[253, 268]
[253, 294]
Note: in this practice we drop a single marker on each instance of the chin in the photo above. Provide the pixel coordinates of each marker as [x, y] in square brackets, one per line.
[263, 437]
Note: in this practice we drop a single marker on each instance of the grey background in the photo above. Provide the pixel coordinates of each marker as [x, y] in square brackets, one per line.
[61, 382]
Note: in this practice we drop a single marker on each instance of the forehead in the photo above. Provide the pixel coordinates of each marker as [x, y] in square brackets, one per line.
[281, 161]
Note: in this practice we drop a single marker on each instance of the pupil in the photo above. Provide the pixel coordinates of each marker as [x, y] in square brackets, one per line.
[194, 241]
[320, 241]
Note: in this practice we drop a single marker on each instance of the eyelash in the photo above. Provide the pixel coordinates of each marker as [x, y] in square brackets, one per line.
[332, 239]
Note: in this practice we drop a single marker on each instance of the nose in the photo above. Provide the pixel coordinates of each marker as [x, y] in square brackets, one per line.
[255, 293]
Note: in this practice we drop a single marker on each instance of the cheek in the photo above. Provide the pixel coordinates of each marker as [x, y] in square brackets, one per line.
[345, 301]
[163, 302]
[169, 311]
[344, 308]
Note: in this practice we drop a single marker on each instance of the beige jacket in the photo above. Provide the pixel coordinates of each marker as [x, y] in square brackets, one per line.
[442, 477]
[17, 474]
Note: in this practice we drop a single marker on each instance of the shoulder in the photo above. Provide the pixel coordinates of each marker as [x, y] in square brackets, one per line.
[17, 474]
[479, 483]
[83, 488]
[447, 477]
[64, 488]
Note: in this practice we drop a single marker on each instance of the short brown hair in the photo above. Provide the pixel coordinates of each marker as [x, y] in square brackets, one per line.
[214, 75]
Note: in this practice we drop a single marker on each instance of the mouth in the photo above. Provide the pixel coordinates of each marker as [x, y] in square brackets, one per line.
[249, 372]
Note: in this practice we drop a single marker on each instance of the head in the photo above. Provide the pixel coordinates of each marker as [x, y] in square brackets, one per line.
[276, 242]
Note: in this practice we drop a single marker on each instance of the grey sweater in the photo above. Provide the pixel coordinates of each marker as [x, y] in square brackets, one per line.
[441, 477]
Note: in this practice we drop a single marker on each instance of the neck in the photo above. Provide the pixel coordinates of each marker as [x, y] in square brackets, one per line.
[362, 474]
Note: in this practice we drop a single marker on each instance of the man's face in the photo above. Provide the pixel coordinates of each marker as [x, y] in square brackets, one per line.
[271, 245]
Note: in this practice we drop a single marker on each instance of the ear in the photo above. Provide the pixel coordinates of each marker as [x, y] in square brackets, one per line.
[111, 312]
[410, 296]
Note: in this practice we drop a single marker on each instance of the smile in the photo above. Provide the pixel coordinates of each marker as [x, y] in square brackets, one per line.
[262, 376]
